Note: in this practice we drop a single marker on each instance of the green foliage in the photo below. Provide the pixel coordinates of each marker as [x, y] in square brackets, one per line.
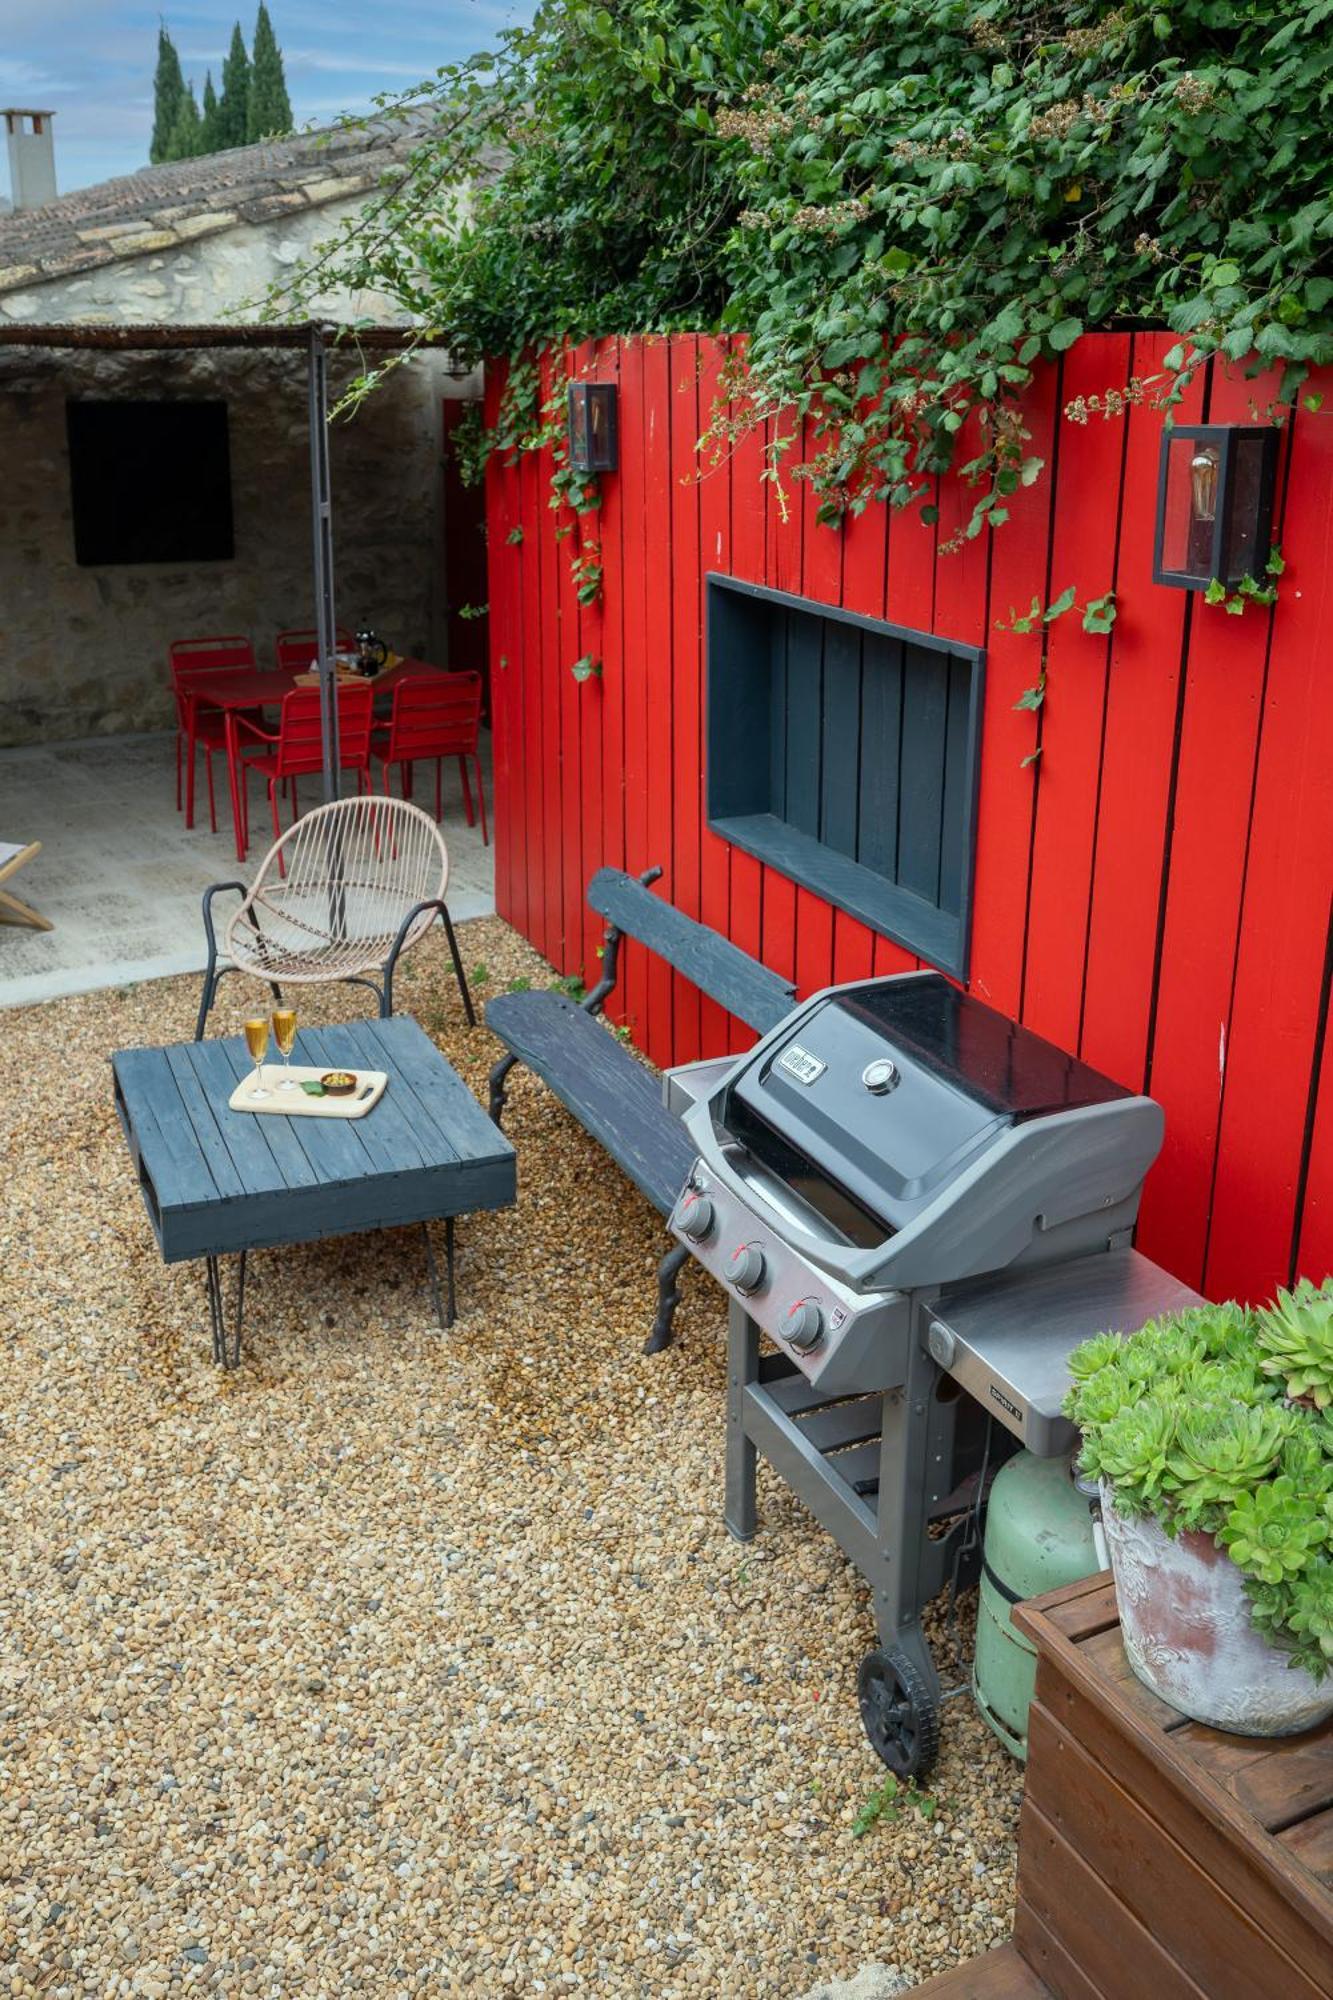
[168, 96]
[904, 205]
[234, 103]
[186, 141]
[208, 117]
[887, 1802]
[1296, 1338]
[1211, 1420]
[268, 107]
[586, 669]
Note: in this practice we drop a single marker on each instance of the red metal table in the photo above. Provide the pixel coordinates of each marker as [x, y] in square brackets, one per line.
[265, 688]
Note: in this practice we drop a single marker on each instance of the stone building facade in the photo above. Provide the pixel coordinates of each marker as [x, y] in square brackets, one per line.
[83, 649]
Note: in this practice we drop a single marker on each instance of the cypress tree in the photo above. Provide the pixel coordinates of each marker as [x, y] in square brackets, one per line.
[270, 109]
[208, 118]
[186, 133]
[168, 91]
[234, 101]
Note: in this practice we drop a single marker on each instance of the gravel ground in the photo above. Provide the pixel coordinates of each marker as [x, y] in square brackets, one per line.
[400, 1663]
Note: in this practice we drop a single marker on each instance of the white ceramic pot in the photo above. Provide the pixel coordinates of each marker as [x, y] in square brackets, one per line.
[1185, 1621]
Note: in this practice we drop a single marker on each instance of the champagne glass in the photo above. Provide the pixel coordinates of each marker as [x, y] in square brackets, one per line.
[256, 1040]
[284, 1034]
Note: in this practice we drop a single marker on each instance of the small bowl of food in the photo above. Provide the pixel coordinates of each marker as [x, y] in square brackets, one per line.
[338, 1082]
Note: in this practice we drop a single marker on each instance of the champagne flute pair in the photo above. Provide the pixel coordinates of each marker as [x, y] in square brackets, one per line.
[256, 1040]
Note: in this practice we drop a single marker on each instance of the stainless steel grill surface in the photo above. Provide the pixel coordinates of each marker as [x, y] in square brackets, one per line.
[899, 1185]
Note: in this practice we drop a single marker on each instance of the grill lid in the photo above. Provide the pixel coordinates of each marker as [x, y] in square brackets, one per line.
[889, 1089]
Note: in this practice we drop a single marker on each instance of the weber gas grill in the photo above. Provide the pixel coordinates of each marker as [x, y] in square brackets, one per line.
[912, 1197]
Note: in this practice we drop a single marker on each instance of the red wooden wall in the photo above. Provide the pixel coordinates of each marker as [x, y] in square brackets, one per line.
[1154, 892]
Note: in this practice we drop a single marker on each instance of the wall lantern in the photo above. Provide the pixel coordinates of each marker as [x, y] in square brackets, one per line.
[592, 427]
[1214, 504]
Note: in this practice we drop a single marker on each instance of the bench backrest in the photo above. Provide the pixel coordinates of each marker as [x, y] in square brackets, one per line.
[716, 966]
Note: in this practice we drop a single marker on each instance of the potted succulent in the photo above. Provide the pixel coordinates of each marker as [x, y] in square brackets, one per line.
[1211, 1435]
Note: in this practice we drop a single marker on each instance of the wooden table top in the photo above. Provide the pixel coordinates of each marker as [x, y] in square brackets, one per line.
[216, 1180]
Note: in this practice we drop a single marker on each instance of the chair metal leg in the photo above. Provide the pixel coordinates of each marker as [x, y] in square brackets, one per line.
[179, 774]
[468, 813]
[212, 802]
[668, 1298]
[439, 796]
[189, 779]
[459, 973]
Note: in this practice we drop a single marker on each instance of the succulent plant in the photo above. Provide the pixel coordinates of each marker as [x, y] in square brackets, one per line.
[1275, 1532]
[1295, 1338]
[1221, 1419]
[1222, 1452]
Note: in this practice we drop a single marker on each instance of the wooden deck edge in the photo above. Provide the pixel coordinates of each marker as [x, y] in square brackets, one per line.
[998, 1975]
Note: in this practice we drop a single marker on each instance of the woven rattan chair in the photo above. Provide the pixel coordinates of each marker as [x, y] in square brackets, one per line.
[340, 896]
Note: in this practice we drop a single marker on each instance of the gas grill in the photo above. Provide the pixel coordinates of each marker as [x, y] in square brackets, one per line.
[913, 1198]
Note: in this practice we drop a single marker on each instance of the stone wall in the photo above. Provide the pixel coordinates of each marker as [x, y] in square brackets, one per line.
[84, 651]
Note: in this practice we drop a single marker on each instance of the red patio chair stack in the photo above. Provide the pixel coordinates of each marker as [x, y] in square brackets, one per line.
[297, 748]
[193, 663]
[295, 651]
[435, 716]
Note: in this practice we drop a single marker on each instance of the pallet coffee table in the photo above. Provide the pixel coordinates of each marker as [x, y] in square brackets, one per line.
[217, 1182]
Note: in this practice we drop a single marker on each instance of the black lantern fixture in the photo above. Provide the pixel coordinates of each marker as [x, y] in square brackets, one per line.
[1214, 504]
[592, 427]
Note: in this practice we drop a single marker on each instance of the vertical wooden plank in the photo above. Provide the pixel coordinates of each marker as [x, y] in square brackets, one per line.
[1224, 691]
[570, 699]
[839, 749]
[687, 669]
[504, 593]
[803, 719]
[590, 701]
[1091, 471]
[821, 582]
[639, 835]
[762, 919]
[1280, 970]
[550, 667]
[865, 555]
[1314, 1224]
[1019, 572]
[612, 748]
[921, 769]
[881, 756]
[956, 782]
[658, 1040]
[715, 555]
[1137, 755]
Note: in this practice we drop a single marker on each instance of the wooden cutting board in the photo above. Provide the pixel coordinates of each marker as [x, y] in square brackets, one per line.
[370, 1086]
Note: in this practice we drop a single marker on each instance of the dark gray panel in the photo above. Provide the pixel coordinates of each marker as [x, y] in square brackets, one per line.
[804, 713]
[777, 700]
[840, 744]
[955, 817]
[880, 747]
[925, 709]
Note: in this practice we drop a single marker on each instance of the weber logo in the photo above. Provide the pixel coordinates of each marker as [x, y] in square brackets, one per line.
[799, 1062]
[1005, 1404]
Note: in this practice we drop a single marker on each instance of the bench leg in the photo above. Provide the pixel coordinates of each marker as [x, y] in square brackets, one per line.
[668, 1298]
[497, 1097]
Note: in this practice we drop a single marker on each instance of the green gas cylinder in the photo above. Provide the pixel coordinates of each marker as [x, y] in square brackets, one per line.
[1038, 1536]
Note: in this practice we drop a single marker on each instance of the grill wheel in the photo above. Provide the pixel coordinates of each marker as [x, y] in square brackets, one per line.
[899, 1713]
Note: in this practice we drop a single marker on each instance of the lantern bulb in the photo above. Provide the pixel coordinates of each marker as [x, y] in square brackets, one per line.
[1203, 481]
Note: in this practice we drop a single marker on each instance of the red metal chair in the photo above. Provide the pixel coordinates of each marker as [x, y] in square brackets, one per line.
[297, 748]
[193, 661]
[295, 650]
[435, 716]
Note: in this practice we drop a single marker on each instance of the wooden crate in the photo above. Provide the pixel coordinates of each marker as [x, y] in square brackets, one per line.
[1157, 1856]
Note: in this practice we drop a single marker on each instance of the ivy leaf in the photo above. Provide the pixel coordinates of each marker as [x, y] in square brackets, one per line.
[1216, 592]
[587, 668]
[1099, 613]
[1032, 697]
[514, 537]
[1064, 602]
[1031, 758]
[1064, 333]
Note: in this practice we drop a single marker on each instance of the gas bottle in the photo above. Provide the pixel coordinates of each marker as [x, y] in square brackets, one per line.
[1039, 1535]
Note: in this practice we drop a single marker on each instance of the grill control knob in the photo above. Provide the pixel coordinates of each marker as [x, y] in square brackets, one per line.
[803, 1327]
[696, 1216]
[748, 1267]
[880, 1076]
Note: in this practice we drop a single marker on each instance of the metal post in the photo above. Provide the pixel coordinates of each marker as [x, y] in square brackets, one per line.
[321, 505]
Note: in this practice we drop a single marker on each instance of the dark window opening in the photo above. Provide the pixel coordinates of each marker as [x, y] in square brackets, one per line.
[844, 751]
[150, 482]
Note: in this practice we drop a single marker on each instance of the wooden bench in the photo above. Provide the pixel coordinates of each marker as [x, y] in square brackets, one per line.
[599, 1080]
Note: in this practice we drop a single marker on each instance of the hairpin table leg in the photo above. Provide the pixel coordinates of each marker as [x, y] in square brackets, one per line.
[227, 1355]
[445, 1318]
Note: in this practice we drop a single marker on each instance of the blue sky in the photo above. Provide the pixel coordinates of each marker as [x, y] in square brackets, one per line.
[91, 61]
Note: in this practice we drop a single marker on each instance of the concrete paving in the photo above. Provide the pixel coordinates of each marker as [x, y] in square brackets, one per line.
[121, 878]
